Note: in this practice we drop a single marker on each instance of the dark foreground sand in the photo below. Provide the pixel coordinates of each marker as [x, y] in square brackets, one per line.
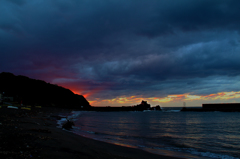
[33, 134]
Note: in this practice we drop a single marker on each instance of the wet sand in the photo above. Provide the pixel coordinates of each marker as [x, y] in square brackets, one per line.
[33, 134]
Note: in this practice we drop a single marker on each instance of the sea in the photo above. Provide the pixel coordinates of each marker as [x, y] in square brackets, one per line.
[167, 132]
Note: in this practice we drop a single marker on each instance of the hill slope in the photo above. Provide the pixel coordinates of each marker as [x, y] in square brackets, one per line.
[38, 92]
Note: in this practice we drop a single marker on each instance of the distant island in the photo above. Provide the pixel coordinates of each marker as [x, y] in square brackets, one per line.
[143, 106]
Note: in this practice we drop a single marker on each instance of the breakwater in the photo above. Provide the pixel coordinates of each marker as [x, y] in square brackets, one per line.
[224, 107]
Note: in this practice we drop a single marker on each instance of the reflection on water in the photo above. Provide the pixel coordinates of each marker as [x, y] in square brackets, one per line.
[214, 134]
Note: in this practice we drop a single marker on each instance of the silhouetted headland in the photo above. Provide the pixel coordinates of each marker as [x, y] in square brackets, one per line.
[223, 107]
[26, 91]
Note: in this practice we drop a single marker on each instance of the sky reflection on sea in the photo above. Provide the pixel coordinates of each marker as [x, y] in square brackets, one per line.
[202, 134]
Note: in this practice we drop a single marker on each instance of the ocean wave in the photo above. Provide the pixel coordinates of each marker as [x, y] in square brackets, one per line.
[199, 134]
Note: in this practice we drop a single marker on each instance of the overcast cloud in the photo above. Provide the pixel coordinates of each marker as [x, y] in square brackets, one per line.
[124, 47]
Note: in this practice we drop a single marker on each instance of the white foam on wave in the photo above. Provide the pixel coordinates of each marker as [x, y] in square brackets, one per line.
[74, 115]
[60, 122]
[91, 132]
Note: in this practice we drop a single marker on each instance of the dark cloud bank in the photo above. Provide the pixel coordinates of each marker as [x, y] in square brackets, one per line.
[124, 47]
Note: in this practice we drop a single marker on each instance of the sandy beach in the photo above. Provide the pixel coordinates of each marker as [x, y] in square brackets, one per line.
[33, 134]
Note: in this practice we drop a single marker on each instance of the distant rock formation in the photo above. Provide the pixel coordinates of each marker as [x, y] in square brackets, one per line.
[143, 106]
[37, 92]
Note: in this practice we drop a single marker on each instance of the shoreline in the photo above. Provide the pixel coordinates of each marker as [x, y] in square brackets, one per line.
[34, 134]
[159, 152]
[153, 150]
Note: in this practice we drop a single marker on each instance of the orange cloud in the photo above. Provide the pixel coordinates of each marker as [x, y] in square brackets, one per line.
[133, 100]
[223, 96]
[83, 88]
[86, 90]
[94, 91]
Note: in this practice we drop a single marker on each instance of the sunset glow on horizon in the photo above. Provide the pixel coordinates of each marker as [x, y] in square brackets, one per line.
[118, 53]
[171, 100]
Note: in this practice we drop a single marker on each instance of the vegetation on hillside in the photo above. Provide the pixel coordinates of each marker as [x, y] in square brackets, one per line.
[37, 92]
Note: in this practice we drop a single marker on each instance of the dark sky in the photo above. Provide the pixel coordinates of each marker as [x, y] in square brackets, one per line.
[112, 49]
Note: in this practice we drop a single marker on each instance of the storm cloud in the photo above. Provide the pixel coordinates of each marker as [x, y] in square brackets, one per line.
[124, 47]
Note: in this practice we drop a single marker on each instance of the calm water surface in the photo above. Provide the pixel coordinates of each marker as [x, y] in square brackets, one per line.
[203, 134]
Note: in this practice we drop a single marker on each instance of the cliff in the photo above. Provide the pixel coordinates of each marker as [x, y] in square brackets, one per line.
[37, 92]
